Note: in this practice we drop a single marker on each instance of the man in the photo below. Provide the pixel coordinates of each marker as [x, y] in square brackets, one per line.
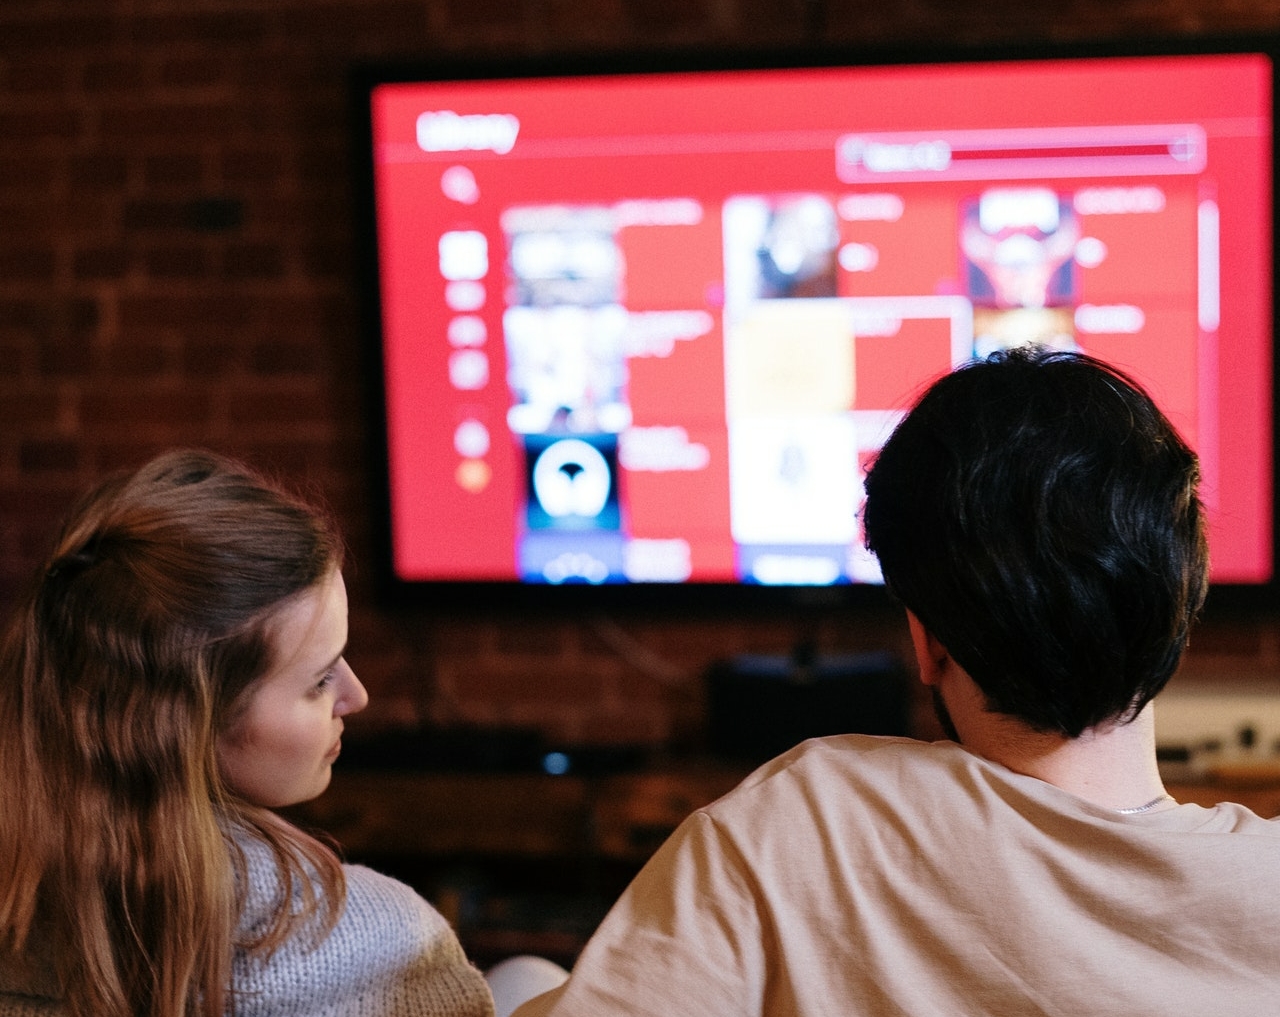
[1038, 518]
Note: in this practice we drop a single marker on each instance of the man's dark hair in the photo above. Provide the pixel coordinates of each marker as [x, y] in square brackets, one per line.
[1039, 515]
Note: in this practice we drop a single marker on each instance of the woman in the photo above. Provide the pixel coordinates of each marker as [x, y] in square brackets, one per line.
[175, 672]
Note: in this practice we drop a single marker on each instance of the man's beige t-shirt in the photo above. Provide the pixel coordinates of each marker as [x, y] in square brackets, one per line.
[882, 876]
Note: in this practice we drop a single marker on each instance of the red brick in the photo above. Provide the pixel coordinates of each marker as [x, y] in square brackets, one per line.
[188, 261]
[291, 458]
[150, 119]
[506, 681]
[463, 636]
[215, 29]
[325, 165]
[639, 724]
[487, 14]
[26, 314]
[113, 75]
[373, 20]
[182, 169]
[74, 214]
[17, 359]
[533, 637]
[99, 170]
[1226, 639]
[28, 171]
[129, 452]
[143, 359]
[52, 28]
[218, 355]
[112, 409]
[102, 263]
[604, 23]
[52, 456]
[251, 165]
[26, 125]
[221, 128]
[30, 411]
[327, 258]
[315, 113]
[41, 514]
[180, 311]
[671, 17]
[282, 357]
[27, 263]
[778, 22]
[291, 213]
[215, 214]
[300, 312]
[299, 404]
[193, 72]
[52, 319]
[39, 501]
[66, 359]
[253, 261]
[30, 78]
[149, 214]
[22, 217]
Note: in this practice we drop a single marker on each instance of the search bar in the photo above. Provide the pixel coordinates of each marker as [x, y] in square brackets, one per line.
[1022, 153]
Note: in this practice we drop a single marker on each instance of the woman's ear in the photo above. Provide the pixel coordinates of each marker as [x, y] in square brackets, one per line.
[932, 657]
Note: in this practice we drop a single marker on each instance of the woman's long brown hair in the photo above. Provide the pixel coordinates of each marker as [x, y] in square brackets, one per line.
[132, 650]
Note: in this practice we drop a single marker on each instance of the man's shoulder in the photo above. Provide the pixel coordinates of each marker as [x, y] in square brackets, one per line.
[864, 775]
[855, 757]
[845, 768]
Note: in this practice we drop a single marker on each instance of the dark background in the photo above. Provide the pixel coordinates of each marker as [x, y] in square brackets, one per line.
[177, 266]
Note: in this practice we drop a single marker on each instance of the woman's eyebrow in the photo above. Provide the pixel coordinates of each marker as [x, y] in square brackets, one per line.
[333, 663]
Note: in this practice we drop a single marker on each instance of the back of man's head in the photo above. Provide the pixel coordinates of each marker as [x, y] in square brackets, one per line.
[1039, 515]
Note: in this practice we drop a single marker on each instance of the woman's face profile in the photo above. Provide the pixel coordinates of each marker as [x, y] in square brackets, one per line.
[280, 747]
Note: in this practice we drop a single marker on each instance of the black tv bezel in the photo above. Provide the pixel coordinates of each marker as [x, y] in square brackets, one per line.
[1226, 600]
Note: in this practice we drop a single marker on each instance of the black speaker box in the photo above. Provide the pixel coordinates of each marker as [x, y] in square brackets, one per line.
[760, 706]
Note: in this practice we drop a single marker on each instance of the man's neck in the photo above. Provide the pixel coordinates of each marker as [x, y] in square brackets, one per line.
[1113, 765]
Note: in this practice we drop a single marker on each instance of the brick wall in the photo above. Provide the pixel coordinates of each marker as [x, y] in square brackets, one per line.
[176, 268]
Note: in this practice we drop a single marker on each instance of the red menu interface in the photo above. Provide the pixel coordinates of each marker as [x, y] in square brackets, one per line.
[653, 328]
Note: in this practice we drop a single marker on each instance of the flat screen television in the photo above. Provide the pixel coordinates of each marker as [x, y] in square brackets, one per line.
[640, 324]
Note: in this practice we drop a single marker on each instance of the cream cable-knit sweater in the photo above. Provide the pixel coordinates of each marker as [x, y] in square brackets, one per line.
[390, 955]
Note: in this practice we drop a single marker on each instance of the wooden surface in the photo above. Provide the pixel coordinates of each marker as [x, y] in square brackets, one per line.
[1262, 796]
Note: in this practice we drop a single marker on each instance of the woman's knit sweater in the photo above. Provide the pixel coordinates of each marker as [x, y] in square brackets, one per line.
[390, 955]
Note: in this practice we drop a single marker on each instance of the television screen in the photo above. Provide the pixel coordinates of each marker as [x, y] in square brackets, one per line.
[647, 328]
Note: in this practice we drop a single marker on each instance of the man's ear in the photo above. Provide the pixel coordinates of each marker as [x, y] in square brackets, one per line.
[931, 656]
